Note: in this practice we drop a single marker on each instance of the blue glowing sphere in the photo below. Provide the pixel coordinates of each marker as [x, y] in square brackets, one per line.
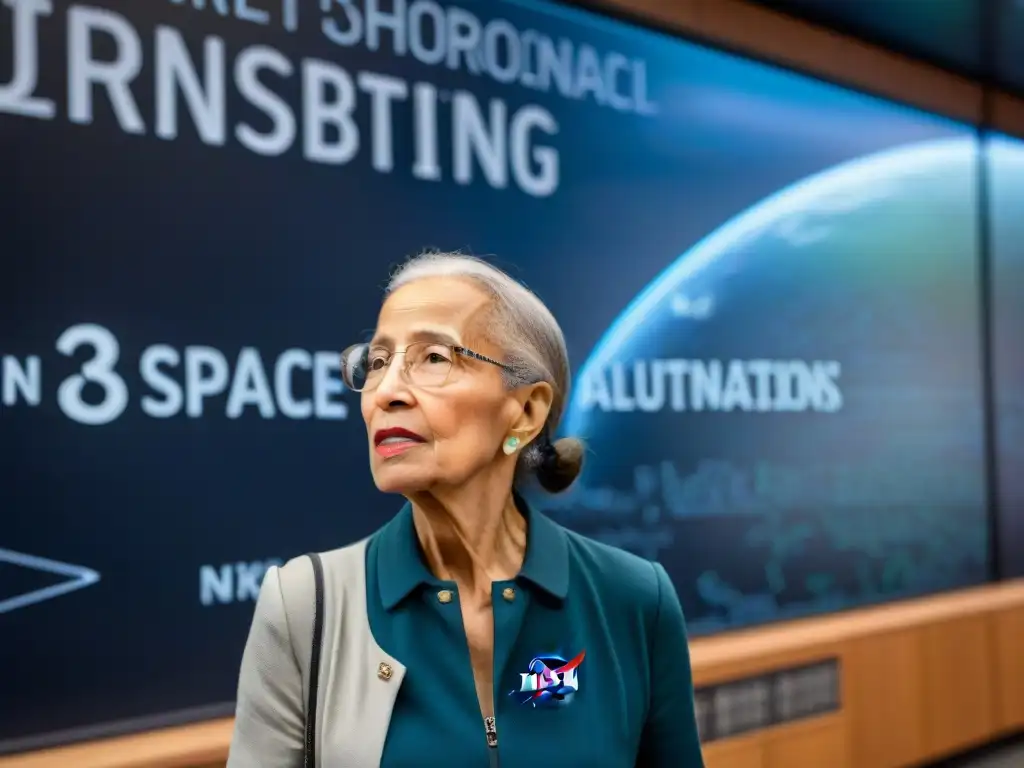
[790, 415]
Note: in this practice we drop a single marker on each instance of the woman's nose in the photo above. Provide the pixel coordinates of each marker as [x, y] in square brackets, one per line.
[393, 389]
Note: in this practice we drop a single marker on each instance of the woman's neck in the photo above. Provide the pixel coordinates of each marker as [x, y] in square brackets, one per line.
[473, 537]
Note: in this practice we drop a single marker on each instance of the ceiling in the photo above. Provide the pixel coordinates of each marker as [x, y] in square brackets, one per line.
[983, 39]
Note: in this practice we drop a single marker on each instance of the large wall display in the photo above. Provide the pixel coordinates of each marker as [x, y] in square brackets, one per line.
[768, 285]
[1005, 174]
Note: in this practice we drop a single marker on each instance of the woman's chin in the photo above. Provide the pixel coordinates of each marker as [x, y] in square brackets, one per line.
[400, 480]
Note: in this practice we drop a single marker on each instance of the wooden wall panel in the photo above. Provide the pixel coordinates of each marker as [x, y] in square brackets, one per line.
[1008, 114]
[822, 741]
[741, 752]
[885, 731]
[1008, 649]
[959, 696]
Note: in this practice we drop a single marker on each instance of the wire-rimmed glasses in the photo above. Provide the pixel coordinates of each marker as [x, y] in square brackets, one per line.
[425, 364]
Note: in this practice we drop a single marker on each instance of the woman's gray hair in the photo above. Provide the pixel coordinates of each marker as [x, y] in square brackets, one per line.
[534, 349]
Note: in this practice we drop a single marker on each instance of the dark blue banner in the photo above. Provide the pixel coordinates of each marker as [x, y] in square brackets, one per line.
[768, 286]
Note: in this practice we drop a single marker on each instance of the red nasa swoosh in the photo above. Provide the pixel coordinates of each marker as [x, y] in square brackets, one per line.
[571, 665]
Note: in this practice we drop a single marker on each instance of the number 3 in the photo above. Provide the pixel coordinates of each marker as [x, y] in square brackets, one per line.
[98, 370]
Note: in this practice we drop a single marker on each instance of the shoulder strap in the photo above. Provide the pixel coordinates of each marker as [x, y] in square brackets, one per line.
[309, 760]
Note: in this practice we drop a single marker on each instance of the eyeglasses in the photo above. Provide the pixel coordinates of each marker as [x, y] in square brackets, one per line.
[427, 364]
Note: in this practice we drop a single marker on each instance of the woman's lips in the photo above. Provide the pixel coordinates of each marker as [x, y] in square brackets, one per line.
[394, 446]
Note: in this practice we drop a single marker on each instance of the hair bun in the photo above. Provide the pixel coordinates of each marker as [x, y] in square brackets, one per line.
[560, 464]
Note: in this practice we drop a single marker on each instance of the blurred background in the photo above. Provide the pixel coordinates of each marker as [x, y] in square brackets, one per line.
[784, 240]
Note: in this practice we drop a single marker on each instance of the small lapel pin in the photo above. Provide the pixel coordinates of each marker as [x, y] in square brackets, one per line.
[384, 671]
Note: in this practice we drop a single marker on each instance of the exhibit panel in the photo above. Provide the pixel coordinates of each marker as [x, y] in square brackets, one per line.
[768, 286]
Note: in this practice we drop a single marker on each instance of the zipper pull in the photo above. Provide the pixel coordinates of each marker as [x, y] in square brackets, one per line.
[491, 729]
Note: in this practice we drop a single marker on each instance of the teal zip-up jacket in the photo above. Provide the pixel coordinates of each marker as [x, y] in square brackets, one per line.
[591, 665]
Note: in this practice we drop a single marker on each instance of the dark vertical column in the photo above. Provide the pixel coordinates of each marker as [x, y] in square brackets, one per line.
[988, 39]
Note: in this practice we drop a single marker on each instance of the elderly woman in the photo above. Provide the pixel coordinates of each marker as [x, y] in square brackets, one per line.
[470, 630]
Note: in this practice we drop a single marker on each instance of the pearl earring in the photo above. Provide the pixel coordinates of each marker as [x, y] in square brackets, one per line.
[510, 445]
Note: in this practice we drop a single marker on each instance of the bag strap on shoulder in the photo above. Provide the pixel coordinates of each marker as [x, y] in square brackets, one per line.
[309, 757]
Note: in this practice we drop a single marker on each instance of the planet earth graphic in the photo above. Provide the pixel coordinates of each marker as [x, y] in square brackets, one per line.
[790, 416]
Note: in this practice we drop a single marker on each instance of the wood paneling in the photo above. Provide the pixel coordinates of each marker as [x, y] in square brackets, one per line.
[1008, 114]
[822, 741]
[1008, 650]
[741, 752]
[920, 680]
[889, 662]
[958, 684]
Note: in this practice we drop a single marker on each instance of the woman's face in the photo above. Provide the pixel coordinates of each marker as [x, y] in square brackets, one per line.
[460, 425]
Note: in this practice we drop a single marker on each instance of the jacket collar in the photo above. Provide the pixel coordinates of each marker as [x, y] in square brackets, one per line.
[402, 569]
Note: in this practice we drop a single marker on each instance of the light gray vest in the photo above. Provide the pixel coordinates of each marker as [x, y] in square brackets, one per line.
[358, 680]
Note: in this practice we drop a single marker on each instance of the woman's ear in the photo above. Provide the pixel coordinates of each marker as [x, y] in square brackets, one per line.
[536, 406]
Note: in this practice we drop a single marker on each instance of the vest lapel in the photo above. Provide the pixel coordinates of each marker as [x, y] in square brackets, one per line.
[362, 681]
